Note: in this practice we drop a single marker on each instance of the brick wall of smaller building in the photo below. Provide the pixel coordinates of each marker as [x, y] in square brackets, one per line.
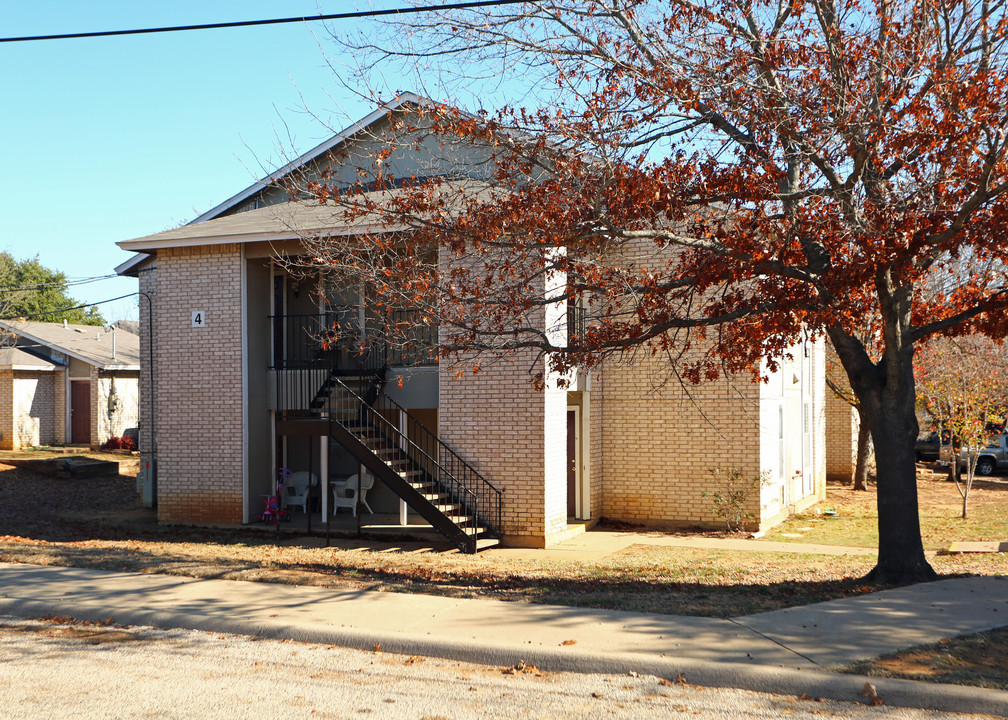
[115, 416]
[96, 409]
[34, 402]
[7, 409]
[841, 439]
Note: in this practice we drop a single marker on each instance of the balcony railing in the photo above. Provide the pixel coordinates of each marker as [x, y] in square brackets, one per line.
[310, 349]
[334, 341]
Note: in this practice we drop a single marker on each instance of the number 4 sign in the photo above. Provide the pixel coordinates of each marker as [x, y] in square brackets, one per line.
[198, 318]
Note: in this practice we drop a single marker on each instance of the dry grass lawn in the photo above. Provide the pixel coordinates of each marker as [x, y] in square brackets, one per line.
[940, 506]
[99, 523]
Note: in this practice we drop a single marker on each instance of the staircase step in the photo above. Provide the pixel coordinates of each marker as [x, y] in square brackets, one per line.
[463, 521]
[433, 498]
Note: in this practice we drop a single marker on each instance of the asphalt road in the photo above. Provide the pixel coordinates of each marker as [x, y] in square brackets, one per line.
[54, 670]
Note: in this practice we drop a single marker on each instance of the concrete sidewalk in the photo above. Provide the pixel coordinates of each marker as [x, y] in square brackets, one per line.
[784, 651]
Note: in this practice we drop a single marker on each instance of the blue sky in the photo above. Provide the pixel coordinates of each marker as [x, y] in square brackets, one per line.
[112, 138]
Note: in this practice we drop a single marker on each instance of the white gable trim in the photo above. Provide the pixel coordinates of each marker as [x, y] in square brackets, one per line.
[131, 264]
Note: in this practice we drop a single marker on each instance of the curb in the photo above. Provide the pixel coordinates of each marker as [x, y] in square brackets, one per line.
[783, 681]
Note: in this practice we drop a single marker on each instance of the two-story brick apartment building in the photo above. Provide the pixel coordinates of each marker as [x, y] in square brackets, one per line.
[245, 381]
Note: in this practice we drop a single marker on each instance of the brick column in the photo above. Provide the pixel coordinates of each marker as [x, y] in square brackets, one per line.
[198, 379]
[59, 380]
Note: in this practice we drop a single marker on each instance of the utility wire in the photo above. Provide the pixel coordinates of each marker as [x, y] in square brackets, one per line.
[274, 21]
[68, 309]
[54, 284]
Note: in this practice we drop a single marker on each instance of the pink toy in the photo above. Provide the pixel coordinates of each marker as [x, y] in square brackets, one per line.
[273, 511]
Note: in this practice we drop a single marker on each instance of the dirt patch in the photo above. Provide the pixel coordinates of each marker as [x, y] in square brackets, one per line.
[978, 660]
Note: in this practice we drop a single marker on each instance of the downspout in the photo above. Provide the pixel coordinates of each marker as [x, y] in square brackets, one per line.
[153, 394]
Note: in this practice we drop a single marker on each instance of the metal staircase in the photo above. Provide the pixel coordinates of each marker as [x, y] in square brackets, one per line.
[411, 461]
[335, 385]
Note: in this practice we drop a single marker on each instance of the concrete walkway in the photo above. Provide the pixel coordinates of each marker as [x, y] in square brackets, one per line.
[784, 651]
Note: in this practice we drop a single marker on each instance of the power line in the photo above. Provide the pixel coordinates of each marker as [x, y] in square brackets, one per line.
[46, 313]
[274, 21]
[57, 284]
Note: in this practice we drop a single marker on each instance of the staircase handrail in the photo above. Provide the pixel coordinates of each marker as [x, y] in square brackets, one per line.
[435, 462]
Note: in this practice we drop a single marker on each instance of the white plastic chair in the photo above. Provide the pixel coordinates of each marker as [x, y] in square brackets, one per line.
[345, 494]
[296, 489]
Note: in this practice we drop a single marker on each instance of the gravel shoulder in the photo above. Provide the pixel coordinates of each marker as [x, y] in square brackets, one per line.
[144, 672]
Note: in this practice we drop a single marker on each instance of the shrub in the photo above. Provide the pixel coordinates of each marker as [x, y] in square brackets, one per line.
[113, 443]
[731, 495]
[126, 442]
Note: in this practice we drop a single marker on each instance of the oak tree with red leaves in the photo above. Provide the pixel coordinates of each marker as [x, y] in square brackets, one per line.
[709, 181]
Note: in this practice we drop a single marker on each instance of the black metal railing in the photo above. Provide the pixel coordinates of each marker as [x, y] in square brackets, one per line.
[461, 493]
[410, 338]
[309, 349]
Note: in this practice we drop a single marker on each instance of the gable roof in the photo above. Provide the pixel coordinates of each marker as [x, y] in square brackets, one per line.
[265, 229]
[405, 98]
[15, 358]
[88, 343]
[273, 223]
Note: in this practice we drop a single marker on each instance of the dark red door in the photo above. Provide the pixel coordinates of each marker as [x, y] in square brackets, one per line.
[80, 412]
[571, 463]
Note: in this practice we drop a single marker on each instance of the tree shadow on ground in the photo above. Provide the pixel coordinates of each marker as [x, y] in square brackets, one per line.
[99, 523]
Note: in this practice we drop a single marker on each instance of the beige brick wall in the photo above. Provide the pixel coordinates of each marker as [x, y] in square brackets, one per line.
[114, 419]
[842, 423]
[659, 443]
[7, 409]
[198, 377]
[515, 435]
[841, 439]
[27, 408]
[96, 409]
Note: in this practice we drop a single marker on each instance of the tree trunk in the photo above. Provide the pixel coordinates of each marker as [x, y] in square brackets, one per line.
[887, 401]
[863, 451]
[901, 552]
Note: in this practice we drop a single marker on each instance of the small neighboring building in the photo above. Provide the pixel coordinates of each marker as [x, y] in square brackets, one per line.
[66, 384]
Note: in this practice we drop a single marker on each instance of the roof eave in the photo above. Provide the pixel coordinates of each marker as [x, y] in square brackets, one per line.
[132, 264]
[66, 351]
[152, 244]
